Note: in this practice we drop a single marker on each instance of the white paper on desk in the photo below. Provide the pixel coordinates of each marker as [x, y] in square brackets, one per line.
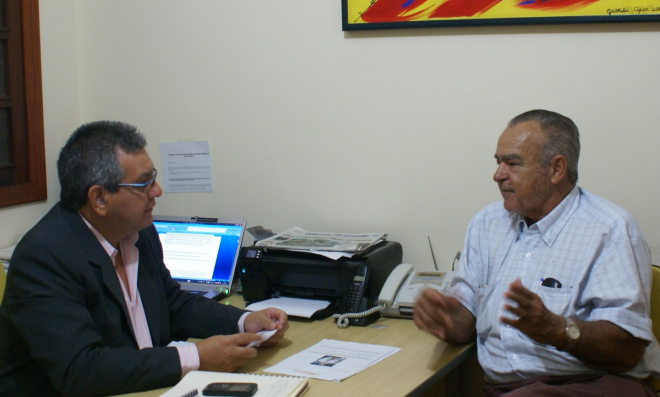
[333, 360]
[291, 306]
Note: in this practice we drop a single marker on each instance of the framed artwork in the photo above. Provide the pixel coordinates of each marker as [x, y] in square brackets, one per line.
[388, 14]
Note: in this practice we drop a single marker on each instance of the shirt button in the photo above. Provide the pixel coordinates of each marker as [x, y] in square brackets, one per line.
[528, 255]
[515, 356]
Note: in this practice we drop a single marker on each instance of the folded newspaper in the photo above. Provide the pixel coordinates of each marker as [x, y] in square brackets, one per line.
[300, 239]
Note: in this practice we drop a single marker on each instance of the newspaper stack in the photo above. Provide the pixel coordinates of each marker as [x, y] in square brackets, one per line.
[301, 240]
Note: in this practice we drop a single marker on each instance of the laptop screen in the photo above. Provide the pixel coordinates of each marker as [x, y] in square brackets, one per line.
[201, 251]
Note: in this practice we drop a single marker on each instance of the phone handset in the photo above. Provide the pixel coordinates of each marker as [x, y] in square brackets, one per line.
[386, 297]
[356, 290]
[393, 284]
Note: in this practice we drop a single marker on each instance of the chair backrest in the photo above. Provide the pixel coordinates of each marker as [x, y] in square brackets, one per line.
[655, 313]
[655, 301]
[3, 281]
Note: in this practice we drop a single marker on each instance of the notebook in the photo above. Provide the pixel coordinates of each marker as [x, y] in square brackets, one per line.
[268, 385]
[201, 253]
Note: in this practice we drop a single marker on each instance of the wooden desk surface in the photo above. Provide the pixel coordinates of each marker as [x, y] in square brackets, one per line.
[422, 361]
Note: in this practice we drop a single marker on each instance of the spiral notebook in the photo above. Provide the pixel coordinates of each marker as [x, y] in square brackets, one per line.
[269, 385]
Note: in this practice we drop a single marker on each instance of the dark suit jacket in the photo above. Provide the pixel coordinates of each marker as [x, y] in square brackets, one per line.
[64, 327]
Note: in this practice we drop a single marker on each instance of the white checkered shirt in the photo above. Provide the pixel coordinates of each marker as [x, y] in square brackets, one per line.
[597, 252]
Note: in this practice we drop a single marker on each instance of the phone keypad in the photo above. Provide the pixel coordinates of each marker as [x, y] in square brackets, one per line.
[356, 290]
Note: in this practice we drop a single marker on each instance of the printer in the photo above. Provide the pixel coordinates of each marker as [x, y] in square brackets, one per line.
[350, 284]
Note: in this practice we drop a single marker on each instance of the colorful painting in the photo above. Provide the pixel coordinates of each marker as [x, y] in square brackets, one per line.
[381, 14]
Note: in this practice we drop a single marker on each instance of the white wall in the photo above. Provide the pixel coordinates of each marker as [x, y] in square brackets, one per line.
[309, 126]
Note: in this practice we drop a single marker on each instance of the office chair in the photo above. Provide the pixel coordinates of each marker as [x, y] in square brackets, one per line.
[655, 313]
[3, 281]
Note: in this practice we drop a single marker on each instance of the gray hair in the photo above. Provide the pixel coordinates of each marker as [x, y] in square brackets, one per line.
[89, 158]
[562, 138]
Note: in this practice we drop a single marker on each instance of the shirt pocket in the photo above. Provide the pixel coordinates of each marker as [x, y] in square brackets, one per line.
[556, 299]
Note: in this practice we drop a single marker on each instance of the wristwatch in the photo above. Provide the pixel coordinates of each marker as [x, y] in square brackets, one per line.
[572, 334]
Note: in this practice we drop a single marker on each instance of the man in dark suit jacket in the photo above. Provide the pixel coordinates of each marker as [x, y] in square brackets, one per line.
[89, 306]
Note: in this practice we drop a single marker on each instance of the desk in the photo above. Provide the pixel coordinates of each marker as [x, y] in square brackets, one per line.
[422, 361]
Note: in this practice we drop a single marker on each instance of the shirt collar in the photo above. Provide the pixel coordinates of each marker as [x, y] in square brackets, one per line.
[109, 249]
[550, 225]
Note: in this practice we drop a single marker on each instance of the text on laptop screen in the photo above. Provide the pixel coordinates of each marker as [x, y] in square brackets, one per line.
[199, 252]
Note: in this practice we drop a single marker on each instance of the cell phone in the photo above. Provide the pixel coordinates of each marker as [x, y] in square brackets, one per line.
[230, 389]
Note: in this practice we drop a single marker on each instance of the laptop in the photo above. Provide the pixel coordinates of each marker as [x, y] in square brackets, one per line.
[201, 253]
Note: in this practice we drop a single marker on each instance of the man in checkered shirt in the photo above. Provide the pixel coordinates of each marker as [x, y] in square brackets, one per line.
[554, 282]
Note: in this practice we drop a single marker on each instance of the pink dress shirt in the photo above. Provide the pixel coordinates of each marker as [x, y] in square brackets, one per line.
[188, 354]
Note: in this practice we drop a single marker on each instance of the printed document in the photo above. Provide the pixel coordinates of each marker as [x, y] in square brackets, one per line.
[332, 360]
[186, 167]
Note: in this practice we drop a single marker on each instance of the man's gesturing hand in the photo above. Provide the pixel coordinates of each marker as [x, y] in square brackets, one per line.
[531, 316]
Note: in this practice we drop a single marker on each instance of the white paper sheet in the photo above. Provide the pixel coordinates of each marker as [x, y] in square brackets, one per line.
[186, 166]
[332, 360]
[291, 306]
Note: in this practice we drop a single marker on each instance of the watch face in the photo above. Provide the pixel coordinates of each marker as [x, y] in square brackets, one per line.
[572, 330]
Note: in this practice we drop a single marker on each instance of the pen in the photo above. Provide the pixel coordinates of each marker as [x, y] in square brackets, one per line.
[550, 282]
[191, 393]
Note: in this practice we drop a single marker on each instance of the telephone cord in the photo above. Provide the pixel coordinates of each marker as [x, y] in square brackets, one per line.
[343, 320]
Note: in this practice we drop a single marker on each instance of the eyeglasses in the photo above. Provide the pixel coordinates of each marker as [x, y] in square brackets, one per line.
[142, 187]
